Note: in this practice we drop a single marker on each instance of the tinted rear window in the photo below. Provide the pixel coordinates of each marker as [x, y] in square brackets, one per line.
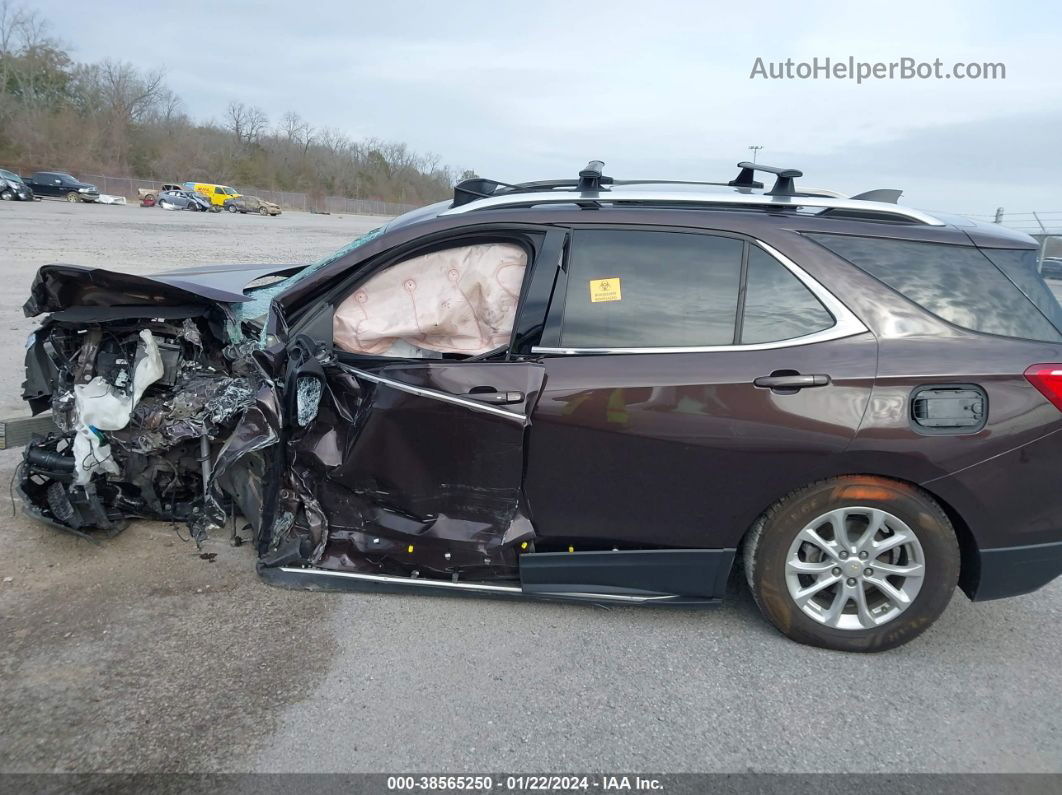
[957, 283]
[1041, 282]
[777, 304]
[634, 289]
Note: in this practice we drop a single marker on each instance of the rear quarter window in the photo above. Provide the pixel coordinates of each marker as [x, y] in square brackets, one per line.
[960, 284]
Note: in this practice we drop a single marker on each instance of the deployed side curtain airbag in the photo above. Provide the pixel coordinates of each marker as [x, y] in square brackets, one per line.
[459, 300]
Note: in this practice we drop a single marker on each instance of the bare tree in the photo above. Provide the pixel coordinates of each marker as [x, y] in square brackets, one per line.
[246, 122]
[130, 95]
[21, 29]
[115, 118]
[294, 130]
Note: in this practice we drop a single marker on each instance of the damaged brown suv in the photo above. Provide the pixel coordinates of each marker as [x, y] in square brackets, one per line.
[589, 390]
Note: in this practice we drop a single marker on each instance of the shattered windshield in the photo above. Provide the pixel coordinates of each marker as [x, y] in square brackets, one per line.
[254, 310]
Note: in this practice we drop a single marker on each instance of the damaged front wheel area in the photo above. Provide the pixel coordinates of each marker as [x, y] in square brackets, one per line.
[48, 492]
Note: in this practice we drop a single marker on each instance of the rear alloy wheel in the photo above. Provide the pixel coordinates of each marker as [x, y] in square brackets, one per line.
[854, 564]
[72, 196]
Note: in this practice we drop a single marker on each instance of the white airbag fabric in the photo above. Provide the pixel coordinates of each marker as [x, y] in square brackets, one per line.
[99, 406]
[459, 300]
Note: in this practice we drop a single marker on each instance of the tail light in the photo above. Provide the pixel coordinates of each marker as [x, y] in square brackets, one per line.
[1048, 379]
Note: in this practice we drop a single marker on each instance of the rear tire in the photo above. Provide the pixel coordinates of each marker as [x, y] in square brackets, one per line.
[819, 592]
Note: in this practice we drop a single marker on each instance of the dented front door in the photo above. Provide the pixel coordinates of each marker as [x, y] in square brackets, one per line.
[414, 466]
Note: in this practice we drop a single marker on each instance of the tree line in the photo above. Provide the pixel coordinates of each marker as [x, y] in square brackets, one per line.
[114, 118]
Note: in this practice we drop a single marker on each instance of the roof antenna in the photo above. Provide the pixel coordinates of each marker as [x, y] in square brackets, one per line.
[887, 195]
[591, 178]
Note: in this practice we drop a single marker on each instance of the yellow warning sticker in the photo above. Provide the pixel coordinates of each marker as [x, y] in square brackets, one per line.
[605, 290]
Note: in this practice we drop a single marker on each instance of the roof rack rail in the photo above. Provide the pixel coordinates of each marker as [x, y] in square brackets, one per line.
[593, 188]
[622, 195]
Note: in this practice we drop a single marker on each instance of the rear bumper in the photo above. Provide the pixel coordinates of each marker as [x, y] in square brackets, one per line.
[1012, 571]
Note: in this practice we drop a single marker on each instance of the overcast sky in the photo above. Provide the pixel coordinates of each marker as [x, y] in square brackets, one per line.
[533, 90]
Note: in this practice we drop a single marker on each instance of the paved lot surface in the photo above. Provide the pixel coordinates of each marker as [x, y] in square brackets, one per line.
[139, 655]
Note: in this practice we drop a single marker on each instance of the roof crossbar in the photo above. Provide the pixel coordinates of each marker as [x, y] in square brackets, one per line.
[591, 178]
[783, 185]
[744, 179]
[477, 188]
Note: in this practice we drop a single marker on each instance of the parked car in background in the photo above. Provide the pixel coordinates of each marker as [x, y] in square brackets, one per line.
[61, 185]
[182, 199]
[152, 193]
[218, 194]
[1051, 267]
[12, 187]
[251, 204]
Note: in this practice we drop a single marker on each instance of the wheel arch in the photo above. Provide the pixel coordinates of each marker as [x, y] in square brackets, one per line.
[969, 552]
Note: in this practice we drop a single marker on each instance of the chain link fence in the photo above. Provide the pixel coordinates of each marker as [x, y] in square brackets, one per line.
[1033, 222]
[1044, 225]
[288, 200]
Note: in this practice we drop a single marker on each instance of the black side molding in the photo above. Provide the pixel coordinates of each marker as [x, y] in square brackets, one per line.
[696, 573]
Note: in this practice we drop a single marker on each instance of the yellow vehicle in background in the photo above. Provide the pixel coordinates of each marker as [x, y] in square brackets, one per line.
[218, 194]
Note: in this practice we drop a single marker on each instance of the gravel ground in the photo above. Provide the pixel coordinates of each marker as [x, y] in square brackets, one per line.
[138, 654]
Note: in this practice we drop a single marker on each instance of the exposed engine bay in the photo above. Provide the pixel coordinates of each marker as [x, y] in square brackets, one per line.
[142, 406]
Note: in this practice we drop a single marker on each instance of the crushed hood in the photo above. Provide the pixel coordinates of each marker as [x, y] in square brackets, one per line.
[58, 287]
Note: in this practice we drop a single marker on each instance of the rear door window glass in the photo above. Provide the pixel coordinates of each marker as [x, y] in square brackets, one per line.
[957, 283]
[777, 304]
[640, 289]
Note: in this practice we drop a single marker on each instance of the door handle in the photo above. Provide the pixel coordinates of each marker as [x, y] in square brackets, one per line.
[795, 381]
[495, 398]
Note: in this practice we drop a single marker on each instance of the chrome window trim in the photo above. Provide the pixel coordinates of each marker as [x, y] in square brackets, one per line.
[846, 324]
[620, 195]
[433, 394]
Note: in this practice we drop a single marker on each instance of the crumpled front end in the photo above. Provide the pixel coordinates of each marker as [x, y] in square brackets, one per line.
[148, 385]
